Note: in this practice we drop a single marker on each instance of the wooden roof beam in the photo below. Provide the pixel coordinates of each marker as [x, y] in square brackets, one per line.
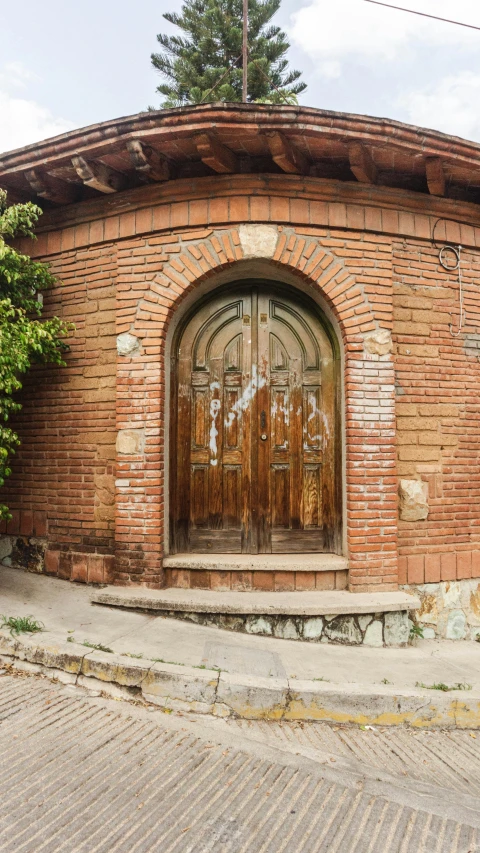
[435, 175]
[216, 155]
[286, 155]
[361, 163]
[148, 162]
[51, 188]
[98, 176]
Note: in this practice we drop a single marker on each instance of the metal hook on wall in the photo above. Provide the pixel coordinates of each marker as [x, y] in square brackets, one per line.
[451, 264]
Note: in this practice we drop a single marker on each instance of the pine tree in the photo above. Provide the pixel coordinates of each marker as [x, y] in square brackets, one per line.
[205, 62]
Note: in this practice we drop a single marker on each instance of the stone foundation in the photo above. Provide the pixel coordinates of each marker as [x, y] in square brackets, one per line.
[368, 629]
[25, 551]
[33, 554]
[449, 609]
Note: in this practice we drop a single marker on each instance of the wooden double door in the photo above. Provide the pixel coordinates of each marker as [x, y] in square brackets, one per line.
[254, 441]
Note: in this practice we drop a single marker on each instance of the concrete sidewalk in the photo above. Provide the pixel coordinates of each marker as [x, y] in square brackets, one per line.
[184, 666]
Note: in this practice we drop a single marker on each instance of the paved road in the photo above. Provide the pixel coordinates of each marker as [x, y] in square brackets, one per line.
[448, 759]
[82, 773]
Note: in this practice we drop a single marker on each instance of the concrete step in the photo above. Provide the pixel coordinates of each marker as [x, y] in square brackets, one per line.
[257, 562]
[260, 603]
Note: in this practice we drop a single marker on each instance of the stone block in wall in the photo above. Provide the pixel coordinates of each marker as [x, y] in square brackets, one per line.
[456, 625]
[396, 630]
[258, 241]
[449, 609]
[471, 344]
[413, 500]
[5, 549]
[131, 441]
[380, 629]
[104, 501]
[105, 488]
[377, 343]
[28, 552]
[127, 344]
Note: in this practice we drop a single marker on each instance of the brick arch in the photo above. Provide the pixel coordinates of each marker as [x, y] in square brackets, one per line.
[303, 255]
[362, 305]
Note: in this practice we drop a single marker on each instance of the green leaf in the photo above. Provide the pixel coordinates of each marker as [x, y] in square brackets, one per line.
[25, 339]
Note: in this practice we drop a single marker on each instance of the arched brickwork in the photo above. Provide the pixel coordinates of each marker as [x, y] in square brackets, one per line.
[148, 297]
[199, 259]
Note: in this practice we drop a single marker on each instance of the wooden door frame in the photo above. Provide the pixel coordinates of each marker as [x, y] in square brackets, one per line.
[294, 293]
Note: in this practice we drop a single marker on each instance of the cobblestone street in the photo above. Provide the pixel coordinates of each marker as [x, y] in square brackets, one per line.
[83, 773]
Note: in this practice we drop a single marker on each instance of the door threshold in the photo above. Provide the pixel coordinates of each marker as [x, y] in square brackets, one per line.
[258, 562]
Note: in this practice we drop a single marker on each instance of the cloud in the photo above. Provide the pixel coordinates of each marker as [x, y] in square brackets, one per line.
[26, 121]
[450, 105]
[15, 75]
[23, 120]
[359, 30]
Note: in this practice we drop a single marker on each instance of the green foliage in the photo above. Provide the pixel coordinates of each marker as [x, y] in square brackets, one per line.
[416, 631]
[445, 688]
[21, 624]
[207, 56]
[97, 646]
[24, 338]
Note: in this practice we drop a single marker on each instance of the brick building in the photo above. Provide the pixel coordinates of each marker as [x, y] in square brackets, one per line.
[273, 381]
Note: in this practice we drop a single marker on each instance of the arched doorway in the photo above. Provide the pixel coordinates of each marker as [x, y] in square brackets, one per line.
[255, 426]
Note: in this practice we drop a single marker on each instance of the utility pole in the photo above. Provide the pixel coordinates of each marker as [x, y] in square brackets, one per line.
[245, 52]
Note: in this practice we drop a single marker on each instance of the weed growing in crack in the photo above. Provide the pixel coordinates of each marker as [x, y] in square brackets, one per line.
[320, 679]
[445, 688]
[98, 647]
[21, 624]
[193, 665]
[386, 681]
[416, 631]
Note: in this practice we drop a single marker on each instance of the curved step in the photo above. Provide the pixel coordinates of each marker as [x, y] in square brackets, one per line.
[278, 603]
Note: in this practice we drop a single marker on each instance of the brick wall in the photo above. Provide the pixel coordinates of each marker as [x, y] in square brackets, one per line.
[438, 410]
[63, 483]
[367, 253]
[347, 269]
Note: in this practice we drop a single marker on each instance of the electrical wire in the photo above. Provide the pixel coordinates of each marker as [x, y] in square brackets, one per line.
[456, 250]
[230, 67]
[443, 256]
[422, 14]
[269, 80]
[450, 258]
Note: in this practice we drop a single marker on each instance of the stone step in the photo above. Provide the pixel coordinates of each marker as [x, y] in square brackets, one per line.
[261, 603]
[257, 562]
[372, 619]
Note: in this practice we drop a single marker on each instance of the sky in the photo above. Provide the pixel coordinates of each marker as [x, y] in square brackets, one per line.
[66, 64]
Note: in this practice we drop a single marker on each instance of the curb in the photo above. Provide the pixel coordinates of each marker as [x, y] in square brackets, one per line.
[223, 694]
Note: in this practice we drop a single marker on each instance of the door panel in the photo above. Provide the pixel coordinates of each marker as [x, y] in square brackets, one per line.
[255, 433]
[213, 428]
